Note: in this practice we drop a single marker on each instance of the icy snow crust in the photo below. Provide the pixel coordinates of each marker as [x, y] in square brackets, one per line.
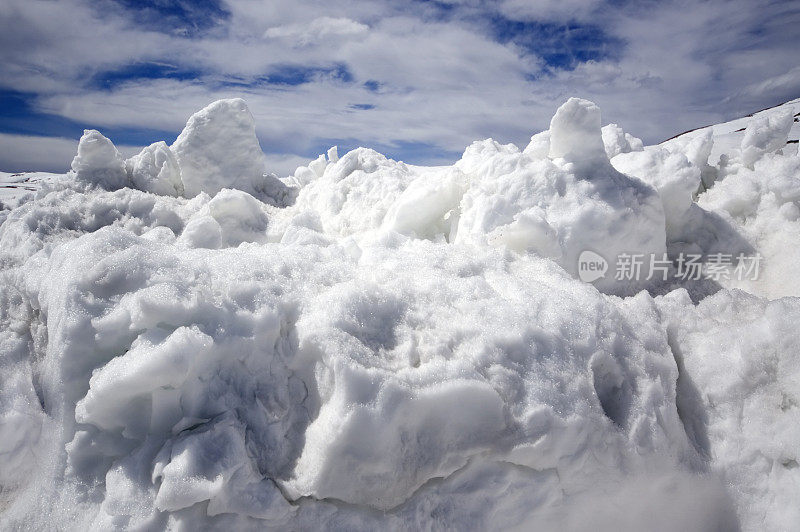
[188, 341]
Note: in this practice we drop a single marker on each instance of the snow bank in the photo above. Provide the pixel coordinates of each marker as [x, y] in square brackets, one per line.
[750, 199]
[353, 195]
[738, 356]
[98, 162]
[671, 174]
[155, 169]
[389, 346]
[539, 146]
[764, 135]
[562, 205]
[728, 136]
[218, 149]
[574, 133]
[616, 141]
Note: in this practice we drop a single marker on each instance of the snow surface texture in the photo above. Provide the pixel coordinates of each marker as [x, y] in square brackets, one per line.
[217, 149]
[187, 341]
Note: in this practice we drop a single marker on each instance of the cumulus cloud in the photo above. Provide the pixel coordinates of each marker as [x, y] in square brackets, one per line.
[391, 74]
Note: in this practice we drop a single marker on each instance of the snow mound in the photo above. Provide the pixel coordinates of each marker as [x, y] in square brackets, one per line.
[574, 133]
[218, 149]
[227, 220]
[739, 362]
[728, 136]
[671, 174]
[186, 342]
[764, 135]
[353, 195]
[561, 206]
[539, 146]
[749, 198]
[155, 169]
[98, 162]
[616, 141]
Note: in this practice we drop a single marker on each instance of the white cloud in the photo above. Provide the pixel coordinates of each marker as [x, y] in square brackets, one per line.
[285, 164]
[549, 10]
[319, 30]
[23, 153]
[787, 84]
[444, 80]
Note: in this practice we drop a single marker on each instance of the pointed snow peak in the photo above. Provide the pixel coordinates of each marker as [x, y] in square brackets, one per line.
[575, 132]
[98, 162]
[219, 149]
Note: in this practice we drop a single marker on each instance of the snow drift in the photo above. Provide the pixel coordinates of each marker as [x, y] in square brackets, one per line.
[189, 341]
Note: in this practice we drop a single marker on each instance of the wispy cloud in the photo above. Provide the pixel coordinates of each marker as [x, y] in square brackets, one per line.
[419, 79]
[320, 30]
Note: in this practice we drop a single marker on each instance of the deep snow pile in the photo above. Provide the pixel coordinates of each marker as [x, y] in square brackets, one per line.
[187, 340]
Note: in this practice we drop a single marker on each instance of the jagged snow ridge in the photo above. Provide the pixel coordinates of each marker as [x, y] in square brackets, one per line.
[188, 341]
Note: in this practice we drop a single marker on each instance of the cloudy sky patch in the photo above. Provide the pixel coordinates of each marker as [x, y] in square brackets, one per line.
[418, 80]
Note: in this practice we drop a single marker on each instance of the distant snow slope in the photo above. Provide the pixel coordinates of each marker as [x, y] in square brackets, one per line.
[14, 187]
[188, 342]
[728, 135]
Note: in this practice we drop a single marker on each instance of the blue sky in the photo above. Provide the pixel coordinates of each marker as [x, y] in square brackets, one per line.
[417, 80]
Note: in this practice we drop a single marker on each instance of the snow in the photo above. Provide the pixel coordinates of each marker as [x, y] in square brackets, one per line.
[739, 354]
[98, 162]
[765, 135]
[728, 136]
[218, 149]
[155, 169]
[616, 141]
[190, 342]
[556, 208]
[750, 204]
[539, 146]
[671, 174]
[18, 187]
[574, 133]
